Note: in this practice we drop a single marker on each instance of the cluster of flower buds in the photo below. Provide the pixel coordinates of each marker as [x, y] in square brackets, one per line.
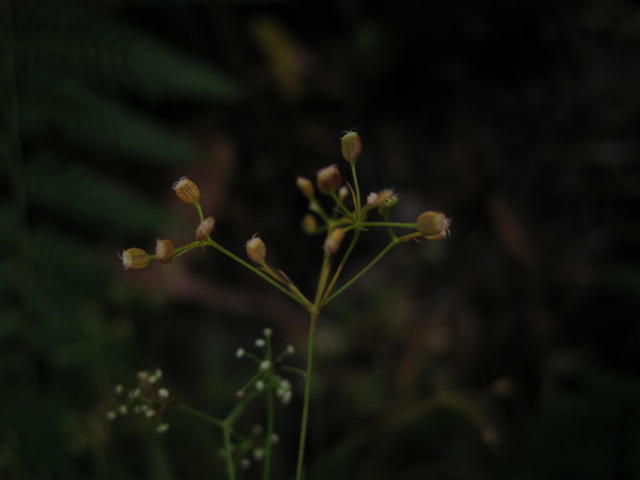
[137, 258]
[147, 399]
[251, 447]
[266, 375]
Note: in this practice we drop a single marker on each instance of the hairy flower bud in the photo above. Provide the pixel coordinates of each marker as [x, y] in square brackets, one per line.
[205, 228]
[351, 146]
[433, 225]
[134, 258]
[187, 191]
[309, 224]
[333, 241]
[305, 186]
[165, 250]
[256, 250]
[328, 179]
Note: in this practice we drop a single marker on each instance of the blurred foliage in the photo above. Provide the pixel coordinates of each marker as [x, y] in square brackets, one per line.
[509, 351]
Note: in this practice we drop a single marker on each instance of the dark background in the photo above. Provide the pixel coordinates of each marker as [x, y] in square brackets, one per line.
[508, 351]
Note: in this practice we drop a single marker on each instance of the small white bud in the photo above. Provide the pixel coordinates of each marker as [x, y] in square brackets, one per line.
[240, 353]
[245, 464]
[290, 350]
[111, 415]
[163, 427]
[260, 342]
[258, 454]
[123, 410]
[259, 385]
[372, 199]
[143, 375]
[267, 332]
[153, 379]
[158, 373]
[163, 393]
[149, 413]
[119, 389]
[265, 364]
[286, 398]
[275, 438]
[134, 393]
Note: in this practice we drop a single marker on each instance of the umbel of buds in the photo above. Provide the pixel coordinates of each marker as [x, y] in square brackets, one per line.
[165, 250]
[333, 241]
[351, 146]
[305, 186]
[205, 228]
[134, 259]
[256, 250]
[433, 225]
[187, 191]
[329, 179]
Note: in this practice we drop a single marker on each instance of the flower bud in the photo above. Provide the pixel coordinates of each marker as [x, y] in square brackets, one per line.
[333, 241]
[373, 200]
[256, 250]
[305, 186]
[342, 193]
[309, 224]
[433, 225]
[187, 191]
[328, 179]
[134, 258]
[351, 146]
[205, 228]
[165, 250]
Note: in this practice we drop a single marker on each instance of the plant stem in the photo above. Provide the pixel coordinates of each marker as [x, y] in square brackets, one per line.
[269, 392]
[307, 395]
[204, 416]
[342, 206]
[357, 187]
[228, 450]
[340, 267]
[200, 213]
[301, 299]
[389, 224]
[378, 257]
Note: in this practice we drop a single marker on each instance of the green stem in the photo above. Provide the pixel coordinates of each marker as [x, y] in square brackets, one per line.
[340, 267]
[201, 415]
[228, 449]
[302, 300]
[389, 224]
[200, 213]
[270, 420]
[307, 395]
[378, 257]
[341, 205]
[357, 187]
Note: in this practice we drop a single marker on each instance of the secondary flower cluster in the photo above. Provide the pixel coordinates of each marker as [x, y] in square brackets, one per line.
[266, 376]
[147, 399]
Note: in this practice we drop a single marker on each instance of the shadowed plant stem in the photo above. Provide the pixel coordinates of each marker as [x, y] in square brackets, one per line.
[269, 393]
[228, 450]
[298, 298]
[307, 395]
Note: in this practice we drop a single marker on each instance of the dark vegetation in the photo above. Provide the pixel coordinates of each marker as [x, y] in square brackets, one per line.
[508, 351]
